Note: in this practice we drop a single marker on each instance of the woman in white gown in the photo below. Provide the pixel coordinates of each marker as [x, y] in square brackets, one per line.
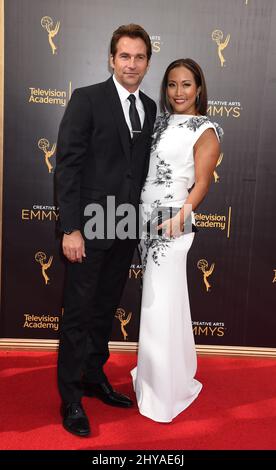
[184, 153]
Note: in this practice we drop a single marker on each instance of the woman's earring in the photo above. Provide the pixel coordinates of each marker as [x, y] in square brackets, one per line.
[197, 99]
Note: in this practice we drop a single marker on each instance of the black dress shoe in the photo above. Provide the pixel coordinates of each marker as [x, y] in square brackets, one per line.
[75, 419]
[105, 392]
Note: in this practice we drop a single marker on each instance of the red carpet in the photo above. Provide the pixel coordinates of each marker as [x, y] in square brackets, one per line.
[235, 410]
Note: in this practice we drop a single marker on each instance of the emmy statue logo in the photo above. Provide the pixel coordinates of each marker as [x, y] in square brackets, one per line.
[44, 145]
[217, 36]
[120, 315]
[40, 258]
[274, 278]
[47, 23]
[203, 266]
[216, 176]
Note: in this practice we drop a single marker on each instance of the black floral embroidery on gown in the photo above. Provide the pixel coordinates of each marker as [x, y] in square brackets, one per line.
[163, 173]
[160, 244]
[196, 122]
[160, 126]
[219, 130]
[158, 247]
[164, 178]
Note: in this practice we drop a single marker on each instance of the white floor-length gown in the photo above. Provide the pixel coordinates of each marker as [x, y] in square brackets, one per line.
[164, 377]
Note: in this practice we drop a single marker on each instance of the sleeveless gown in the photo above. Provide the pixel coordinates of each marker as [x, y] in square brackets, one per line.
[164, 380]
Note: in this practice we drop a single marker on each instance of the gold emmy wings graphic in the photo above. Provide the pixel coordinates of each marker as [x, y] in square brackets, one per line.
[44, 145]
[47, 23]
[274, 278]
[40, 258]
[217, 36]
[216, 176]
[203, 266]
[120, 315]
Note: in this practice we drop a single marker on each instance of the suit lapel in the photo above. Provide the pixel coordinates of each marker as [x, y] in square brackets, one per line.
[148, 114]
[118, 115]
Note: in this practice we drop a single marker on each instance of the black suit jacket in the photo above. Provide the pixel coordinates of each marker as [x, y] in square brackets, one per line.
[95, 154]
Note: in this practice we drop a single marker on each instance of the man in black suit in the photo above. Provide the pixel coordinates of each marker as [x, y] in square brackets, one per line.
[103, 150]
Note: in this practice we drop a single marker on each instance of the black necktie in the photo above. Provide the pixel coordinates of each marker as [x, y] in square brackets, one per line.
[134, 117]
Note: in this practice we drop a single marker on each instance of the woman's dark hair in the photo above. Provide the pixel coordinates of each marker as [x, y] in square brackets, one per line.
[132, 31]
[190, 64]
